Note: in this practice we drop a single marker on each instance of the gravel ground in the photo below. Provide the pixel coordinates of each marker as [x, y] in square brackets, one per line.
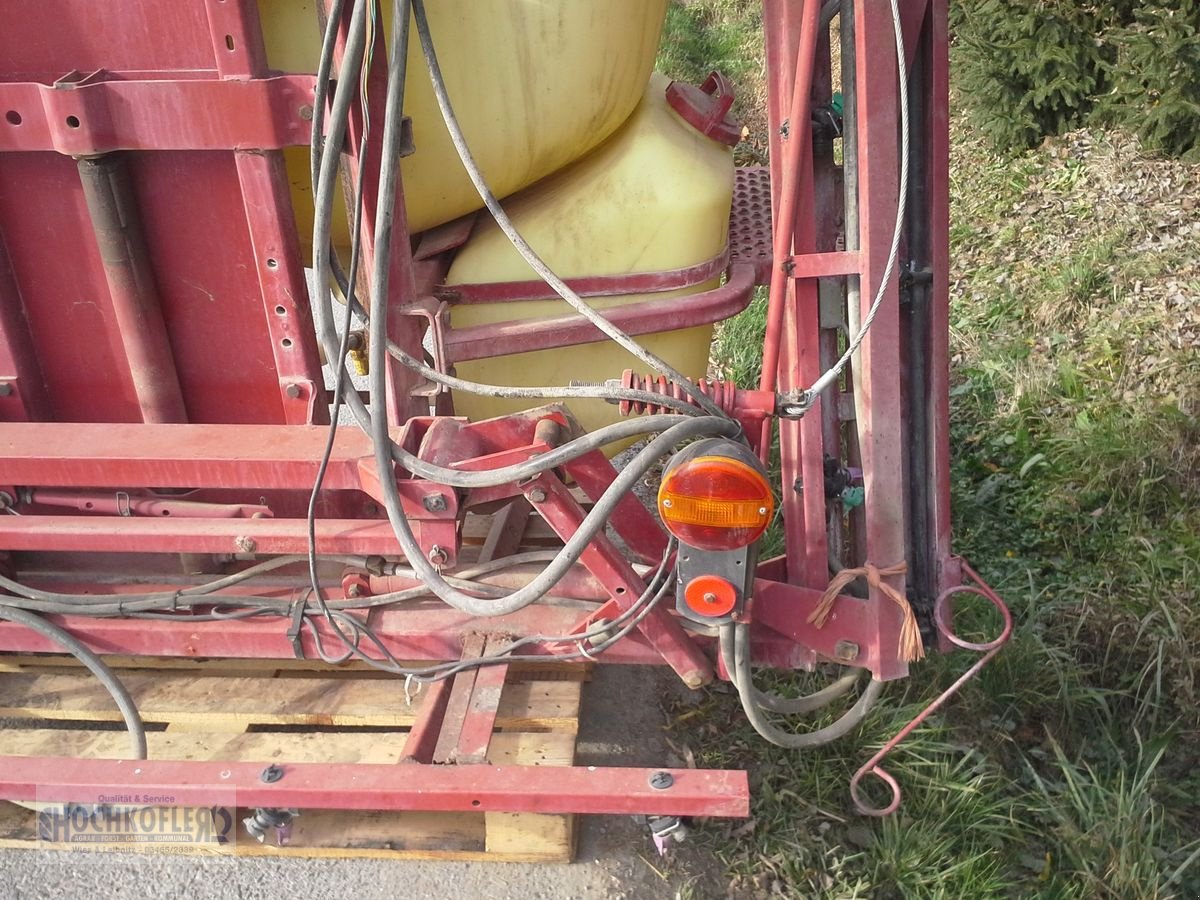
[621, 724]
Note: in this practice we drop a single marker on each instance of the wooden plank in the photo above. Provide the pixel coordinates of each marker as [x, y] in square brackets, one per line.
[225, 703]
[207, 714]
[459, 703]
[508, 748]
[268, 668]
[333, 835]
[542, 836]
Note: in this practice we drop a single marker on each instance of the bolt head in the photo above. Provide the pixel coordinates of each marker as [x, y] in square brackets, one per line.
[436, 502]
[355, 590]
[306, 113]
[537, 495]
[847, 651]
[271, 774]
[660, 781]
[293, 391]
[245, 544]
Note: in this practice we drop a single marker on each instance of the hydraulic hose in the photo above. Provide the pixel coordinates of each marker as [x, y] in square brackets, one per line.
[791, 706]
[742, 678]
[118, 691]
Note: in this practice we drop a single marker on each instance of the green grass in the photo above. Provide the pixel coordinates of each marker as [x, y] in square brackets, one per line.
[1068, 769]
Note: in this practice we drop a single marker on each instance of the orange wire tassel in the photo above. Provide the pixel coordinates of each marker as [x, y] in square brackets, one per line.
[911, 646]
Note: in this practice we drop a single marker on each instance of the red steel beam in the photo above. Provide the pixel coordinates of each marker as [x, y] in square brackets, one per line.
[113, 534]
[103, 112]
[215, 456]
[539, 789]
[520, 336]
[879, 426]
[431, 632]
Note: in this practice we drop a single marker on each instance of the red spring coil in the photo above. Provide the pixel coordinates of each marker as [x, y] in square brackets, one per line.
[722, 393]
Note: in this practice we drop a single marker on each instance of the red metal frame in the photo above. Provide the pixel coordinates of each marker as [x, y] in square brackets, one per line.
[198, 120]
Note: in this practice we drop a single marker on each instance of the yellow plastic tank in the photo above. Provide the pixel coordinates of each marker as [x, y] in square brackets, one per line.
[535, 85]
[653, 197]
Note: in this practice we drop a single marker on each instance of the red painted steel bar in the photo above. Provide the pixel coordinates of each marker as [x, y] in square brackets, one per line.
[879, 426]
[120, 111]
[596, 286]
[523, 335]
[541, 789]
[254, 457]
[430, 632]
[605, 561]
[22, 384]
[798, 142]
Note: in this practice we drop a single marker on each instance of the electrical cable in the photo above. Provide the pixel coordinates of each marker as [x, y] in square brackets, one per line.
[742, 678]
[522, 246]
[628, 620]
[611, 394]
[94, 664]
[830, 375]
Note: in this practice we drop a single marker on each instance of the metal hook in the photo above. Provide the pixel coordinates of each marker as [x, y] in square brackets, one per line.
[941, 617]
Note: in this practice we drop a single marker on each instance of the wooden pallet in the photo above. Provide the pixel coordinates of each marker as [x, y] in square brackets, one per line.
[296, 712]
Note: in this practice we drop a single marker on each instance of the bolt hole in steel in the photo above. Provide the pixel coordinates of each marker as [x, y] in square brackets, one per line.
[475, 803]
[281, 310]
[229, 41]
[286, 343]
[12, 117]
[72, 121]
[272, 263]
[620, 590]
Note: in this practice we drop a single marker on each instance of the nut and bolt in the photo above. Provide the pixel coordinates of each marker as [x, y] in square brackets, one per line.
[271, 774]
[660, 781]
[435, 502]
[847, 651]
[306, 113]
[292, 390]
[245, 544]
[537, 495]
[355, 590]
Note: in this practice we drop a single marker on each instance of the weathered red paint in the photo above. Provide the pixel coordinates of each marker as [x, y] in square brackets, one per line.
[183, 92]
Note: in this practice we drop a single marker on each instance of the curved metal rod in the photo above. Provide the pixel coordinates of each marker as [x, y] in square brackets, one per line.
[941, 616]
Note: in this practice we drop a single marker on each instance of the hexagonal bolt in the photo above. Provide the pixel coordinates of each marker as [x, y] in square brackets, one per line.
[537, 495]
[245, 544]
[436, 502]
[846, 651]
[660, 781]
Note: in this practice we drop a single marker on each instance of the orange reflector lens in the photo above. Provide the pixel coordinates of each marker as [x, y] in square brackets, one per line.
[709, 595]
[715, 503]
